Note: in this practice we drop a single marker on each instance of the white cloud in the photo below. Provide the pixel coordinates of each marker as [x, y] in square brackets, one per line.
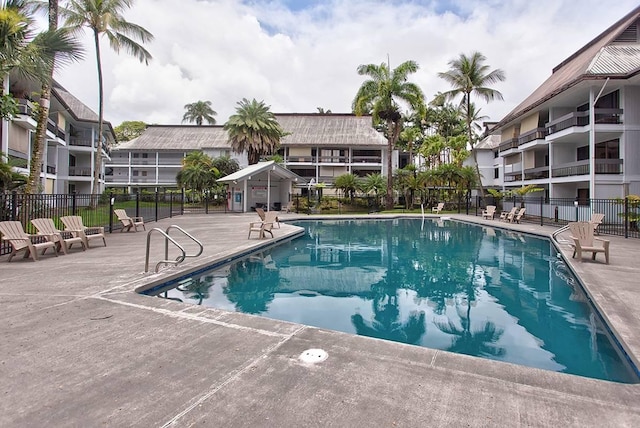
[225, 50]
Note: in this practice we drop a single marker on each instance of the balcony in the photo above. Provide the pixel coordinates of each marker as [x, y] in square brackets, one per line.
[300, 159]
[80, 142]
[333, 159]
[367, 159]
[581, 118]
[536, 173]
[75, 171]
[513, 169]
[603, 166]
[25, 115]
[509, 144]
[533, 135]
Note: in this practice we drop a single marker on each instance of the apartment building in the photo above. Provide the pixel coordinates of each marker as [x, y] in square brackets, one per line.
[154, 159]
[317, 146]
[71, 139]
[578, 134]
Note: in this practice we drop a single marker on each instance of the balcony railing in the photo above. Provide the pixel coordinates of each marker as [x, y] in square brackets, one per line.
[304, 159]
[80, 142]
[603, 166]
[536, 173]
[25, 107]
[367, 159]
[581, 118]
[535, 134]
[76, 171]
[511, 143]
[333, 159]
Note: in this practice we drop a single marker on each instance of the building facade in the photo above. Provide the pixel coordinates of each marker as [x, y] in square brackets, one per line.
[71, 140]
[578, 134]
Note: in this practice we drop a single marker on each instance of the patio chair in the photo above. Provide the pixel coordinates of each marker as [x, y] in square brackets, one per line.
[261, 227]
[437, 208]
[73, 224]
[584, 241]
[289, 207]
[272, 217]
[129, 222]
[13, 232]
[517, 217]
[508, 215]
[489, 212]
[260, 213]
[62, 239]
[596, 220]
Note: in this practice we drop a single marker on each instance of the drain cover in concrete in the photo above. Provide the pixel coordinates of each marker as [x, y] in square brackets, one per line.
[312, 356]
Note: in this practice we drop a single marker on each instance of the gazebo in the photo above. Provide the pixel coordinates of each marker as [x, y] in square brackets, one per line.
[265, 185]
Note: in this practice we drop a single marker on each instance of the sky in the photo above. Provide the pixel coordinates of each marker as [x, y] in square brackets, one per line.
[298, 55]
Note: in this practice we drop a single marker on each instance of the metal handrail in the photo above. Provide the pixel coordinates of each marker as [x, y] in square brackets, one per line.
[166, 244]
[168, 239]
[555, 234]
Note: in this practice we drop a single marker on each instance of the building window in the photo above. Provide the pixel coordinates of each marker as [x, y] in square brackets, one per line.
[496, 153]
[144, 173]
[145, 155]
[582, 153]
[608, 150]
[136, 155]
[496, 173]
[135, 173]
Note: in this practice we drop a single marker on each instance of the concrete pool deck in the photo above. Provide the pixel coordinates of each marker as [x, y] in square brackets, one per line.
[80, 348]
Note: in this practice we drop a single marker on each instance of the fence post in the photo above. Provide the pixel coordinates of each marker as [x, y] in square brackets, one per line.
[111, 202]
[74, 203]
[170, 204]
[156, 205]
[541, 210]
[14, 205]
[206, 203]
[138, 203]
[626, 217]
[182, 203]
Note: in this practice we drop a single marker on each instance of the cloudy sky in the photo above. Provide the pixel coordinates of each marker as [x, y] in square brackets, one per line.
[298, 55]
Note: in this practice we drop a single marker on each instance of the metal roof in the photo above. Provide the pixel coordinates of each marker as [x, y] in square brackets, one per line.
[178, 137]
[616, 59]
[260, 167]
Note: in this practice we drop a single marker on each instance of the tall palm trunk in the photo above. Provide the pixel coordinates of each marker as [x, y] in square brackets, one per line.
[97, 165]
[393, 130]
[35, 166]
[473, 149]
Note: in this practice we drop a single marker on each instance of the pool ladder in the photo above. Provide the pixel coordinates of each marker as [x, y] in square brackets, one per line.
[168, 239]
[555, 234]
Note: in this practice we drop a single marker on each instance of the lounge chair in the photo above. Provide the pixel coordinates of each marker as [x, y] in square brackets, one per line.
[489, 212]
[62, 239]
[289, 207]
[508, 215]
[272, 217]
[261, 227]
[584, 241]
[260, 213]
[129, 222]
[13, 232]
[596, 220]
[517, 217]
[437, 208]
[73, 224]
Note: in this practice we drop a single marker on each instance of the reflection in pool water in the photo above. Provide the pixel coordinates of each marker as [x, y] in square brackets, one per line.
[446, 285]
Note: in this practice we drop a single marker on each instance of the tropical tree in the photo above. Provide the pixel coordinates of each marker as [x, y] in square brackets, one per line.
[380, 96]
[254, 129]
[129, 129]
[9, 179]
[225, 165]
[68, 48]
[198, 172]
[348, 183]
[198, 112]
[468, 75]
[323, 111]
[374, 183]
[105, 18]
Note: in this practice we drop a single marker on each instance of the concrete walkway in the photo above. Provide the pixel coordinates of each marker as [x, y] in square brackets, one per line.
[80, 348]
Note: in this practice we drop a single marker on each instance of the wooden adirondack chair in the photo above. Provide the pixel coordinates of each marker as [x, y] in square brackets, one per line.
[517, 217]
[13, 232]
[63, 240]
[508, 215]
[596, 220]
[437, 208]
[129, 222]
[73, 224]
[261, 227]
[272, 217]
[584, 241]
[489, 212]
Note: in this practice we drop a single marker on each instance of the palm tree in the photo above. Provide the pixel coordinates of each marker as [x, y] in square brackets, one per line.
[470, 76]
[348, 183]
[379, 96]
[72, 50]
[104, 17]
[198, 112]
[9, 179]
[374, 183]
[198, 172]
[254, 129]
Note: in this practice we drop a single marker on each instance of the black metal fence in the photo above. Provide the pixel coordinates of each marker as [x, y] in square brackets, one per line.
[620, 215]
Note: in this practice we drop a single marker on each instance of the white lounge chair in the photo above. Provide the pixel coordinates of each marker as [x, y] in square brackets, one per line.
[261, 227]
[489, 212]
[62, 239]
[437, 208]
[129, 222]
[584, 241]
[13, 232]
[517, 217]
[596, 220]
[508, 215]
[73, 224]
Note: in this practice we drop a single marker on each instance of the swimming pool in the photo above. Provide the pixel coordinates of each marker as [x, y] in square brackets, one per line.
[447, 285]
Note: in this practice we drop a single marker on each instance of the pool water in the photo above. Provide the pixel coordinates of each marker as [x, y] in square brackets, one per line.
[447, 285]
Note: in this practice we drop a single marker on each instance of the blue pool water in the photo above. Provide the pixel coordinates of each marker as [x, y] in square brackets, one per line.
[439, 284]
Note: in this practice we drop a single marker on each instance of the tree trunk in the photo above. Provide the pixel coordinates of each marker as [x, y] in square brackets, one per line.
[35, 166]
[475, 155]
[393, 132]
[97, 165]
